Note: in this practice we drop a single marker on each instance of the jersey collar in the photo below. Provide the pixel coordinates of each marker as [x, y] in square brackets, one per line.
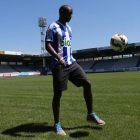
[64, 26]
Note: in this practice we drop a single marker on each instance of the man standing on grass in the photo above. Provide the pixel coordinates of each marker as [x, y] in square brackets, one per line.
[64, 67]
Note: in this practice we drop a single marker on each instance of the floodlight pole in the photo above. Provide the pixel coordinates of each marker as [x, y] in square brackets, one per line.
[42, 23]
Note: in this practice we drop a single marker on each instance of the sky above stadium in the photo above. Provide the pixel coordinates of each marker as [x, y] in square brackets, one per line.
[94, 22]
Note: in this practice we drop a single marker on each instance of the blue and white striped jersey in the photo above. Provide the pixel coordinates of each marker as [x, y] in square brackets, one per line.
[60, 36]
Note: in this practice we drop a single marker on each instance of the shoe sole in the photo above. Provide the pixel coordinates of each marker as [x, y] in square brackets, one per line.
[94, 122]
[60, 133]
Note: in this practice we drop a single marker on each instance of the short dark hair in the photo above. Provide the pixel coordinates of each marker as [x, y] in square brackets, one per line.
[64, 8]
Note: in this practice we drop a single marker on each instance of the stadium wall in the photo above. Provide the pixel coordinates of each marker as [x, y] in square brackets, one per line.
[113, 70]
[19, 74]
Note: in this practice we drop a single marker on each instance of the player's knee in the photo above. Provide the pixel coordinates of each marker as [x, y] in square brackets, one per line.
[87, 84]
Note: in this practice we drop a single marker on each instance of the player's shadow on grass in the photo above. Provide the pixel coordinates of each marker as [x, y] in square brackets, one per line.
[29, 130]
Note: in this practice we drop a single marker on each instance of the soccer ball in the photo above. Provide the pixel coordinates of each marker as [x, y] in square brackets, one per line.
[119, 42]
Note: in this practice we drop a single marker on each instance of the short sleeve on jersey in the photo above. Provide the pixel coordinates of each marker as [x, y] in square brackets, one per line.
[49, 34]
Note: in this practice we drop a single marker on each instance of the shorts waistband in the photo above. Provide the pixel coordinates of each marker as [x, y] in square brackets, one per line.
[65, 67]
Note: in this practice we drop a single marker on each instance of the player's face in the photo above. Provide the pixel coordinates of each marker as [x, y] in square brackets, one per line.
[68, 15]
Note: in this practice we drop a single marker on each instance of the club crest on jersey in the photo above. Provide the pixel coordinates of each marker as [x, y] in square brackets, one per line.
[65, 42]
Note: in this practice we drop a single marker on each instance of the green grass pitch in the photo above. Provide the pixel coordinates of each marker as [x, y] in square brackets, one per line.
[26, 112]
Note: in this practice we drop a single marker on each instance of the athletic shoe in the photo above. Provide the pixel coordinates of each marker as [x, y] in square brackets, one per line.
[93, 118]
[58, 129]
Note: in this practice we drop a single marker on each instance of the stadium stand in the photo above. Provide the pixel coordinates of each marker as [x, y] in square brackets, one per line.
[138, 64]
[21, 68]
[6, 69]
[104, 64]
[126, 62]
[86, 65]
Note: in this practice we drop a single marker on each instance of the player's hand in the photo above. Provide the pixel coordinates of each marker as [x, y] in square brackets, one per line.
[62, 63]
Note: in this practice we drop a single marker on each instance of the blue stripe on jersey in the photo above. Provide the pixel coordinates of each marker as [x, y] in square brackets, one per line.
[54, 37]
[64, 48]
[65, 55]
[71, 57]
[69, 31]
[55, 44]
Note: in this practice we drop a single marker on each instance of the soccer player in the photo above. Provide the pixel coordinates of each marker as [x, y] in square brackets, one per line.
[64, 67]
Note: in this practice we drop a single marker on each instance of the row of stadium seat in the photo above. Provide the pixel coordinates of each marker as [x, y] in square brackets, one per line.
[86, 64]
[14, 68]
[110, 63]
[126, 62]
[6, 69]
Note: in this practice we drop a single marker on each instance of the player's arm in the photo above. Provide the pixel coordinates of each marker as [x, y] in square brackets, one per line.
[50, 49]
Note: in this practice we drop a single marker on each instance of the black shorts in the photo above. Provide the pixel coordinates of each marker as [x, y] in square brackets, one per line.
[73, 72]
